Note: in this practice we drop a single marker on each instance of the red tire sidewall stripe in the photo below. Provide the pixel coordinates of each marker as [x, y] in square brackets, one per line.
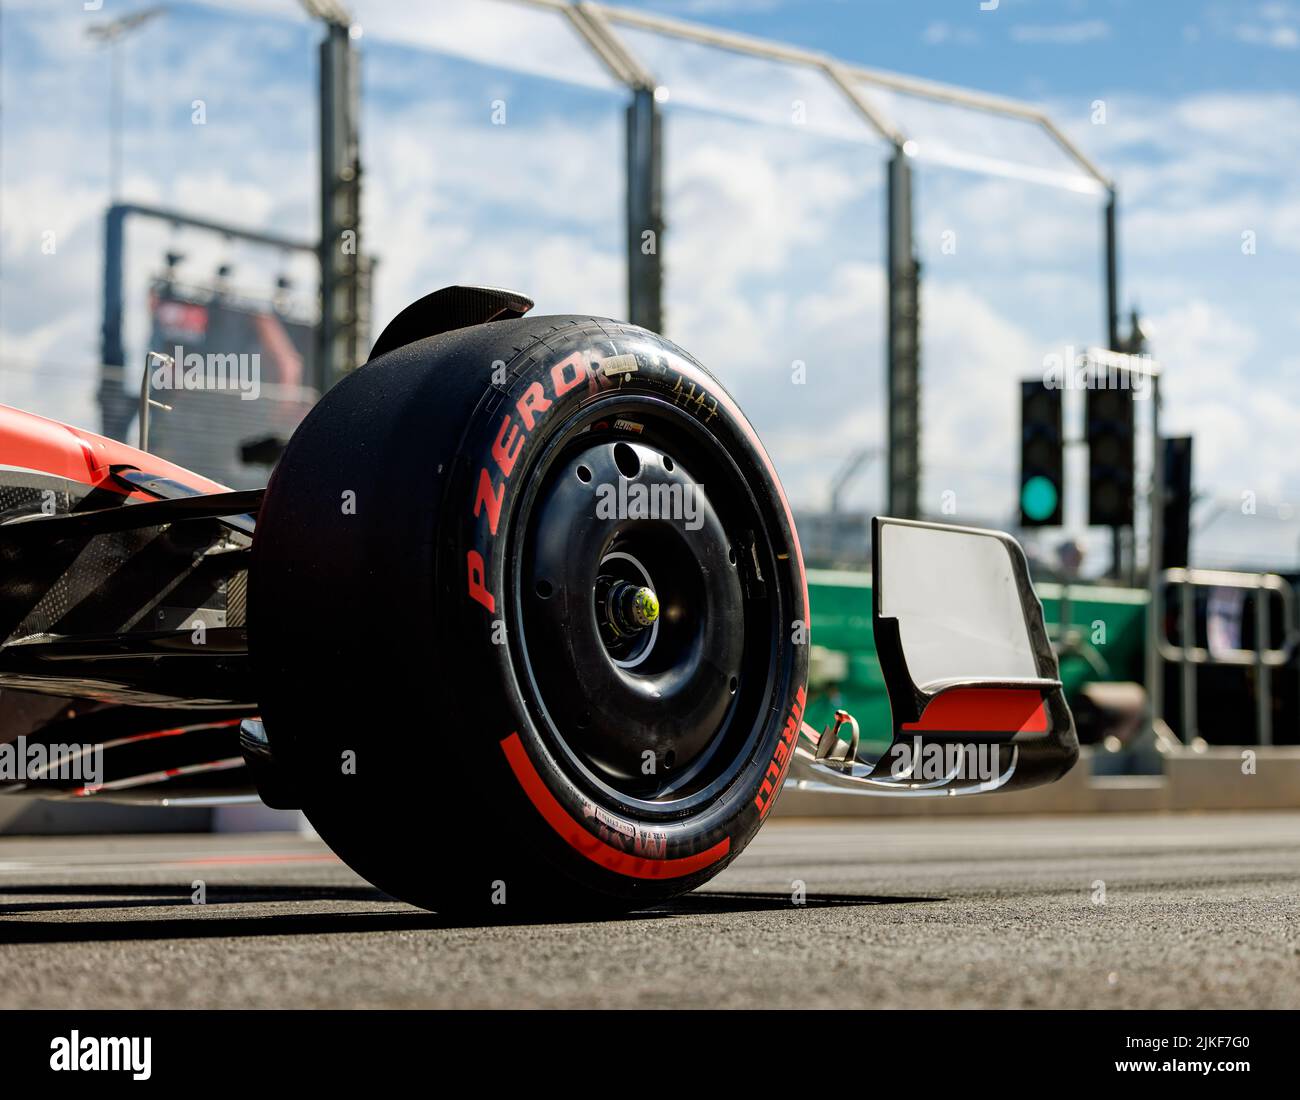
[591, 845]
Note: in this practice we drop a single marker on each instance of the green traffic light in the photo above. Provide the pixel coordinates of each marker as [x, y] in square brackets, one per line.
[1038, 498]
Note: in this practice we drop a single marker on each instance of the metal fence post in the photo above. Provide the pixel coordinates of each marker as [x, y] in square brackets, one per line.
[1188, 666]
[1155, 594]
[1112, 273]
[645, 211]
[904, 358]
[115, 407]
[1263, 675]
[343, 285]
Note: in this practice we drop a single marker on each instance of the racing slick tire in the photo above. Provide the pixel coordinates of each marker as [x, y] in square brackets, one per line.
[528, 620]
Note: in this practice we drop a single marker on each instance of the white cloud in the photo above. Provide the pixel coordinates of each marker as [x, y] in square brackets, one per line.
[1277, 37]
[721, 7]
[535, 40]
[1197, 173]
[1240, 418]
[1062, 34]
[940, 33]
[973, 359]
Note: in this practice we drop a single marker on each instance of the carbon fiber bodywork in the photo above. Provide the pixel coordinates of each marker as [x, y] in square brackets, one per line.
[126, 642]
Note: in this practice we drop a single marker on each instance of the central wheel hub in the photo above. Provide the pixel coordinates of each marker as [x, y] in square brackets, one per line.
[629, 608]
[634, 612]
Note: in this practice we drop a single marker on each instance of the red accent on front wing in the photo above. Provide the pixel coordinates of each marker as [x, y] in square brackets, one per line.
[590, 845]
[34, 443]
[984, 710]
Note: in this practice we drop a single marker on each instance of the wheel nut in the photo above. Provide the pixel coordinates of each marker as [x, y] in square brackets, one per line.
[643, 606]
[632, 607]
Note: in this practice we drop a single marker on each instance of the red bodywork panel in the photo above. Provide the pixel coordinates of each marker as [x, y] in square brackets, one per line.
[32, 442]
[981, 710]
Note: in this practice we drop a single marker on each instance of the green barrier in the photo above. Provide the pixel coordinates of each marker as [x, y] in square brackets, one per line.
[1106, 637]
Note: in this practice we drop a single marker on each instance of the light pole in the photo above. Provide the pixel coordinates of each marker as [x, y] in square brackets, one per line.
[110, 34]
[344, 274]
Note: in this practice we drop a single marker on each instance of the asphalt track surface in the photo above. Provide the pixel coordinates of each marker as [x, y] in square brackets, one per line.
[1199, 911]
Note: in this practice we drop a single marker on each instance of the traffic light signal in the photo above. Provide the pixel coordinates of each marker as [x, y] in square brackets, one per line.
[1042, 455]
[1176, 521]
[1110, 456]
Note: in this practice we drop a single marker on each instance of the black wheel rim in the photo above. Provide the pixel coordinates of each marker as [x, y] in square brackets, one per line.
[633, 494]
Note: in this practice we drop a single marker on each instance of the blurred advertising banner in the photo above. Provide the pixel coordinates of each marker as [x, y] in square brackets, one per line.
[239, 384]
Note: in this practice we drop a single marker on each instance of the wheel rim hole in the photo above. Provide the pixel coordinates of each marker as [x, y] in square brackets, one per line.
[670, 758]
[731, 555]
[625, 458]
[545, 589]
[733, 685]
[584, 475]
[668, 464]
[584, 719]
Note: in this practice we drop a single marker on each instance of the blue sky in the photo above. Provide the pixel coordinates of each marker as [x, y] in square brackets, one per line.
[1035, 49]
[774, 246]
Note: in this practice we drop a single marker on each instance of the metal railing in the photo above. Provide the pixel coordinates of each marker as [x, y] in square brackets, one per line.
[1263, 656]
